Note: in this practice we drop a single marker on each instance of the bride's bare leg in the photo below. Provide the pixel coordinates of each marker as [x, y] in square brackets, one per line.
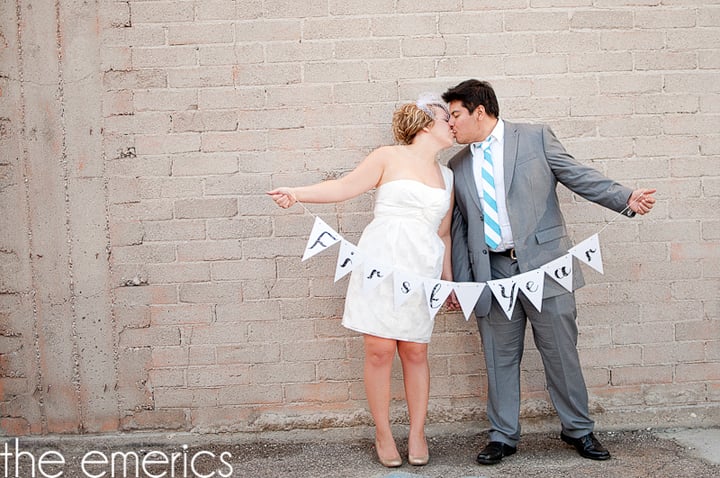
[416, 375]
[379, 355]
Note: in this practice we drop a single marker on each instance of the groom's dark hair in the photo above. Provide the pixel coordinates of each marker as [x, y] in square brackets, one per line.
[473, 93]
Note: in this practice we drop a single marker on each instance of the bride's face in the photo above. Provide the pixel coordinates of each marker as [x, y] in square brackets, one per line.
[440, 128]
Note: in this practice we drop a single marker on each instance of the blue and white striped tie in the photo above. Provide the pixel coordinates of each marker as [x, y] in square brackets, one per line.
[492, 221]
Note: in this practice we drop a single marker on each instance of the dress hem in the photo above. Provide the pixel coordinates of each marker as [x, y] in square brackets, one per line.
[364, 332]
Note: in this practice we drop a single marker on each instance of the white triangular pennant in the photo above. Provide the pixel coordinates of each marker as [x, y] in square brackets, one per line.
[561, 271]
[531, 284]
[405, 284]
[505, 292]
[374, 273]
[321, 237]
[467, 294]
[349, 258]
[436, 291]
[588, 251]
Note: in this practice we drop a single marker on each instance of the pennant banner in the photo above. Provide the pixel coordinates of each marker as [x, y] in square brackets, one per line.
[349, 258]
[532, 284]
[505, 291]
[467, 294]
[405, 285]
[437, 291]
[561, 271]
[588, 251]
[321, 237]
[374, 274]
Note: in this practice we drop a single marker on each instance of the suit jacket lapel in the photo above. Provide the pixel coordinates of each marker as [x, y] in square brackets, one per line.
[510, 150]
[468, 175]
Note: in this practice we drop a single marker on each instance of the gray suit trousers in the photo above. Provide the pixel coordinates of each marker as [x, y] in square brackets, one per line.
[555, 334]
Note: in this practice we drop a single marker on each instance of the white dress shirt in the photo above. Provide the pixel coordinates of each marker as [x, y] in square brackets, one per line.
[496, 149]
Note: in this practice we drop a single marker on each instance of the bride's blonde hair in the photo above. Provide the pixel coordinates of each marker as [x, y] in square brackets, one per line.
[410, 118]
[407, 122]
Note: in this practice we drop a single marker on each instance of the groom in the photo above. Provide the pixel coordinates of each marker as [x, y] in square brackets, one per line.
[507, 221]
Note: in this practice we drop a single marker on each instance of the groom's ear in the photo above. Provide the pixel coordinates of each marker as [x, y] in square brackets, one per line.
[479, 112]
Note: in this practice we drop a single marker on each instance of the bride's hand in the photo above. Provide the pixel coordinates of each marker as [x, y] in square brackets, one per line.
[283, 197]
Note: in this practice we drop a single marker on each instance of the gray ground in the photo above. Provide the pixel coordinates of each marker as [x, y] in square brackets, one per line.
[349, 453]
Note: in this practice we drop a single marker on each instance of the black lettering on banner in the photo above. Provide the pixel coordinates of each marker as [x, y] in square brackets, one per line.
[375, 273]
[531, 286]
[433, 296]
[347, 261]
[504, 294]
[319, 240]
[588, 252]
[405, 289]
[561, 272]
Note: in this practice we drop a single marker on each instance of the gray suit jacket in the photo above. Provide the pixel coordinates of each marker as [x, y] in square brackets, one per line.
[534, 161]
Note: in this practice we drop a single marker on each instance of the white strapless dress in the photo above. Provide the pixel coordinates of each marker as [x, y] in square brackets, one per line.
[403, 235]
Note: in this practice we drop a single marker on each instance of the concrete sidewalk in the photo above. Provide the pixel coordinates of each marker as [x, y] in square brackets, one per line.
[349, 453]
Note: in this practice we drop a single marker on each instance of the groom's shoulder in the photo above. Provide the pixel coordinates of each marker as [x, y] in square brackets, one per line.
[457, 157]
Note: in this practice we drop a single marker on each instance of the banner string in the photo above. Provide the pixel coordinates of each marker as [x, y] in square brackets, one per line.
[621, 213]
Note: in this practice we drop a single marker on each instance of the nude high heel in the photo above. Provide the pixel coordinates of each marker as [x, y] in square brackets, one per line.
[388, 462]
[418, 460]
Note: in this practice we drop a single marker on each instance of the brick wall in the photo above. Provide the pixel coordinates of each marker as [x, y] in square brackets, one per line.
[146, 281]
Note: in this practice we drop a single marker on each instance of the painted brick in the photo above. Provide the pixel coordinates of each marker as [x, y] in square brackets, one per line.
[254, 394]
[507, 42]
[242, 270]
[632, 40]
[268, 30]
[151, 336]
[163, 230]
[285, 373]
[403, 25]
[203, 292]
[317, 392]
[205, 76]
[656, 395]
[536, 21]
[161, 11]
[234, 141]
[154, 420]
[678, 352]
[199, 33]
[159, 57]
[603, 61]
[642, 375]
[697, 372]
[599, 19]
[473, 23]
[224, 9]
[537, 64]
[267, 74]
[294, 51]
[341, 7]
[248, 353]
[408, 6]
[336, 27]
[329, 72]
[219, 375]
[245, 97]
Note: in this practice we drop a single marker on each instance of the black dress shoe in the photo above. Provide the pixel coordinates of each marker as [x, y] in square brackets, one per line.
[588, 446]
[494, 452]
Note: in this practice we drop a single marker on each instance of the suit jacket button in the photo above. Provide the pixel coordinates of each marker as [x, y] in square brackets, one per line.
[485, 251]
